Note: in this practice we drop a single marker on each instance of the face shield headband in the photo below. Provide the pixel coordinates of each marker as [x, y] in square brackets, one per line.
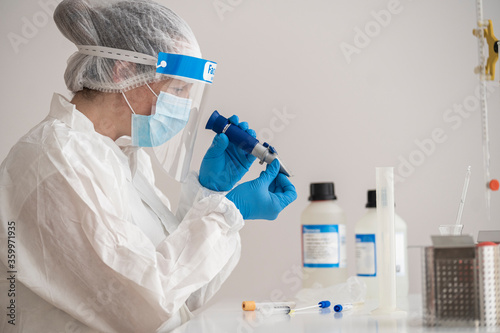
[175, 65]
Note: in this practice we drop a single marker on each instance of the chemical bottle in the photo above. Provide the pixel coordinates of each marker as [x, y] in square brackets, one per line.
[366, 260]
[323, 239]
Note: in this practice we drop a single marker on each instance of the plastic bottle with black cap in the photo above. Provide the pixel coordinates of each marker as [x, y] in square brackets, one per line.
[323, 238]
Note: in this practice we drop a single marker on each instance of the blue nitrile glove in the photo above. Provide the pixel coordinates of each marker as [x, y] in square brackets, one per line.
[224, 163]
[264, 197]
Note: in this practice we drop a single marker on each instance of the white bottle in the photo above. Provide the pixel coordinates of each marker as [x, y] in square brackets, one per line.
[366, 264]
[323, 239]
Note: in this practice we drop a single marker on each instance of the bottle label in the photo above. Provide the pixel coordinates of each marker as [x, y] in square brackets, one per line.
[366, 251]
[323, 245]
[400, 245]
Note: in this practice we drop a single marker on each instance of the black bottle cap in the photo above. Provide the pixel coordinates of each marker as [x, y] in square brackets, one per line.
[322, 191]
[372, 199]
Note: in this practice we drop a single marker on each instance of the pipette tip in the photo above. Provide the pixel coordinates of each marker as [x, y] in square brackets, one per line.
[464, 195]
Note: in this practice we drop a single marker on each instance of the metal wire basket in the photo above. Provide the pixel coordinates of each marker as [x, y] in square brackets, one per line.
[461, 283]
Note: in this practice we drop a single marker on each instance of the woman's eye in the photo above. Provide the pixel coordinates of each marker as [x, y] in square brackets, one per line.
[175, 90]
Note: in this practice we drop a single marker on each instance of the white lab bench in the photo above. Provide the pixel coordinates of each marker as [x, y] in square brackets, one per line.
[227, 316]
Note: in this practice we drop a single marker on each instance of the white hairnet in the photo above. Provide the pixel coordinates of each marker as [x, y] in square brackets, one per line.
[140, 26]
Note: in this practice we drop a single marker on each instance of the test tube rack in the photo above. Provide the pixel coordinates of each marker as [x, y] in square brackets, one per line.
[461, 283]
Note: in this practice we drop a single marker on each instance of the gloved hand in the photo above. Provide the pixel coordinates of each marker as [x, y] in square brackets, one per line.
[264, 197]
[224, 163]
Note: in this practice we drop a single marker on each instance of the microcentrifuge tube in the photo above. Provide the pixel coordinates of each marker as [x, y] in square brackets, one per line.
[265, 306]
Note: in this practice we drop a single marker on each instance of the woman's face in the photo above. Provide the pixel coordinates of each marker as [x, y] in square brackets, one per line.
[142, 100]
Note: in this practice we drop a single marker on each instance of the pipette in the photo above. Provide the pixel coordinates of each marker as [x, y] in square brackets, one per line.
[464, 194]
[320, 305]
[263, 151]
[486, 72]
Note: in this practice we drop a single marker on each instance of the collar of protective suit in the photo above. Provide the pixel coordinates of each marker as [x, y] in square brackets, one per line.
[66, 112]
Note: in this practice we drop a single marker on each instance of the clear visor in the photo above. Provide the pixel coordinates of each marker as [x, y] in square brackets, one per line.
[183, 82]
[177, 107]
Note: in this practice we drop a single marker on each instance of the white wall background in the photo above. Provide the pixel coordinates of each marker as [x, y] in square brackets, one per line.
[345, 117]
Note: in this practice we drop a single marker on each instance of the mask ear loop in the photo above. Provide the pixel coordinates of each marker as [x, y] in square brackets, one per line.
[152, 90]
[154, 107]
[126, 100]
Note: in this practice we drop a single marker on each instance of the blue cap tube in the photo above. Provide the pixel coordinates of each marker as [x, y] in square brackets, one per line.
[342, 307]
[324, 304]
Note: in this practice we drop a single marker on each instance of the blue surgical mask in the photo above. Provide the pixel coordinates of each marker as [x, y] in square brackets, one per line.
[170, 117]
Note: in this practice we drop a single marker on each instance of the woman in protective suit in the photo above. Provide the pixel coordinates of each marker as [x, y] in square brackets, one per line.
[92, 243]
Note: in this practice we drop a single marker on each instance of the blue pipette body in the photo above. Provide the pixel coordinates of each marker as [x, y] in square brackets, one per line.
[264, 152]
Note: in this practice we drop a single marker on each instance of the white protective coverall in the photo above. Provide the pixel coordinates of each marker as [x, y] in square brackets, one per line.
[96, 246]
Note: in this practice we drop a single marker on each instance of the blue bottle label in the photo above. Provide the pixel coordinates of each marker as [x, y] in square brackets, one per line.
[323, 245]
[366, 255]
